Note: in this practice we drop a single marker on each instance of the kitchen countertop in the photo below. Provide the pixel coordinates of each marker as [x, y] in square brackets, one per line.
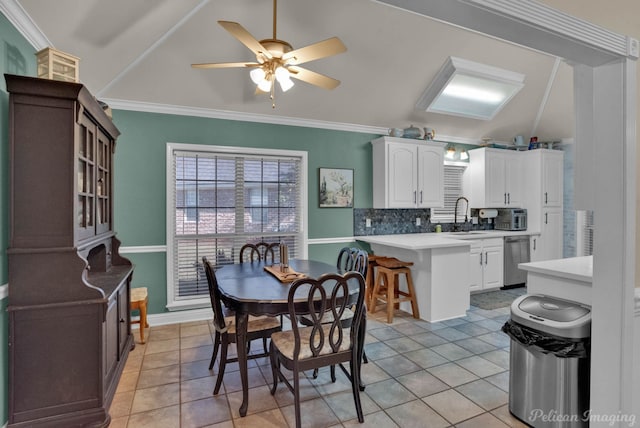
[426, 241]
[575, 268]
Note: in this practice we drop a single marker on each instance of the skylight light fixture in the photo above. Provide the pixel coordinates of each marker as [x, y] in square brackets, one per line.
[470, 89]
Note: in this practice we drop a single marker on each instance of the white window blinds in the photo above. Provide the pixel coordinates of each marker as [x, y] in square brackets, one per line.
[220, 202]
[452, 191]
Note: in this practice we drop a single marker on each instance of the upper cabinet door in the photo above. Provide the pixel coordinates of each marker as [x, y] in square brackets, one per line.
[403, 175]
[552, 179]
[430, 177]
[495, 185]
[514, 179]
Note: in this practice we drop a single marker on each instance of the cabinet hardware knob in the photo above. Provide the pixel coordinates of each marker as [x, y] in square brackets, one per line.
[534, 244]
[480, 259]
[546, 200]
[421, 196]
[546, 218]
[505, 198]
[415, 200]
[509, 198]
[122, 321]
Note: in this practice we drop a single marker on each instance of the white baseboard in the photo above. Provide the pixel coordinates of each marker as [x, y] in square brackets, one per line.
[177, 317]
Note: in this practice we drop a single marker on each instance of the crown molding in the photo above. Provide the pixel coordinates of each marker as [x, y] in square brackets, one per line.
[234, 115]
[16, 14]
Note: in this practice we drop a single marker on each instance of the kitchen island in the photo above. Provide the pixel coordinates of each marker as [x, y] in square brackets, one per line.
[569, 278]
[440, 271]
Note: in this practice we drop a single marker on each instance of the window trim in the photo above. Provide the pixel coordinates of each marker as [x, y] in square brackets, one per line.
[170, 210]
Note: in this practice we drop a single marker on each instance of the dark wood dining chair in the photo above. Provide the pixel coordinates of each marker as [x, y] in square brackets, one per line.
[325, 343]
[267, 251]
[349, 259]
[249, 253]
[224, 325]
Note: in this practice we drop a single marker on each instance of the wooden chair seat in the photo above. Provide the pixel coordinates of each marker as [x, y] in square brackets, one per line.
[285, 342]
[139, 301]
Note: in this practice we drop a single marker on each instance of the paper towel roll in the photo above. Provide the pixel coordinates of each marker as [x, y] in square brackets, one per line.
[487, 213]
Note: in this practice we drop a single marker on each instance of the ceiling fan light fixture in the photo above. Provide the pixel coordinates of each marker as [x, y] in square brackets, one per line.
[285, 84]
[265, 85]
[284, 78]
[470, 89]
[257, 75]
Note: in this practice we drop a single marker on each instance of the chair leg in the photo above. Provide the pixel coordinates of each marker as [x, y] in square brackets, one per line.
[333, 373]
[364, 357]
[216, 346]
[274, 371]
[390, 300]
[414, 300]
[315, 373]
[376, 289]
[264, 344]
[296, 397]
[223, 364]
[355, 387]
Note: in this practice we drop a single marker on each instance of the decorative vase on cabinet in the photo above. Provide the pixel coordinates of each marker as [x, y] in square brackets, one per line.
[69, 322]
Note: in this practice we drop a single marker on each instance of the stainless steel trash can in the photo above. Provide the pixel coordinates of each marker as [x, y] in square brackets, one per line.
[549, 361]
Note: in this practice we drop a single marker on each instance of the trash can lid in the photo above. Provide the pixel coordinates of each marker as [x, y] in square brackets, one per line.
[561, 318]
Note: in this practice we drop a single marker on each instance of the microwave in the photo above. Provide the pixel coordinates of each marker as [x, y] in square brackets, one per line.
[511, 219]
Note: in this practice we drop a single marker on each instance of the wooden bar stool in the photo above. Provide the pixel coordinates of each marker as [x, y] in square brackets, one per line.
[387, 290]
[371, 277]
[139, 300]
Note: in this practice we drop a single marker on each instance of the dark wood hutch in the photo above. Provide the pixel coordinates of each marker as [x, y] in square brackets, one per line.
[69, 288]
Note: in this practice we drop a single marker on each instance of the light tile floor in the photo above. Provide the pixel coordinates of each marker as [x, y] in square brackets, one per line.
[451, 373]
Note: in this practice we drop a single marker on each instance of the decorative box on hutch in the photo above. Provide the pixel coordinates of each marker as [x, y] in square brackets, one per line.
[57, 65]
[69, 322]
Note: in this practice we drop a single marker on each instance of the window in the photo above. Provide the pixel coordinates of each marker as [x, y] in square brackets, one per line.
[452, 191]
[220, 198]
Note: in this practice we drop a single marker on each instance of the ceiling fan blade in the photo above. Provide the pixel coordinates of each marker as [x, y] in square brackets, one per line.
[245, 38]
[225, 64]
[314, 78]
[315, 51]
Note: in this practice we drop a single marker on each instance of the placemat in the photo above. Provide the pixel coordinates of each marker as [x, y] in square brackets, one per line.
[289, 276]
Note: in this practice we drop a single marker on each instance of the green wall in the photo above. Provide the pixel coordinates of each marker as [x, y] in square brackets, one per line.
[16, 57]
[140, 179]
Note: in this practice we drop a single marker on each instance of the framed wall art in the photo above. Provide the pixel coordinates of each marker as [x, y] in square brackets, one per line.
[336, 188]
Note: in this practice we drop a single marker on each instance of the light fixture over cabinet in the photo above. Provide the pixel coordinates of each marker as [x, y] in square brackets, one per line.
[470, 89]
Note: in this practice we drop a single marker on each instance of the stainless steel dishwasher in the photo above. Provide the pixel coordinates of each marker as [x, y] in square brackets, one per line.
[516, 250]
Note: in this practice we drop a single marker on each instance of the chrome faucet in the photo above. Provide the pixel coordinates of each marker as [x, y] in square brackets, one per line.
[455, 214]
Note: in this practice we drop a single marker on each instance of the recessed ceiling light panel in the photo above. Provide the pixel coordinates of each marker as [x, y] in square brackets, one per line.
[470, 89]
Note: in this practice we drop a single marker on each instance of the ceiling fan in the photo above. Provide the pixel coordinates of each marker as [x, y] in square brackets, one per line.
[276, 60]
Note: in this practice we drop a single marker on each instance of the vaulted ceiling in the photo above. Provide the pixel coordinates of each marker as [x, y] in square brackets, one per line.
[141, 51]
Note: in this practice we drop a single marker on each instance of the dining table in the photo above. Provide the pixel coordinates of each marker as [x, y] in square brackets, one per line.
[248, 289]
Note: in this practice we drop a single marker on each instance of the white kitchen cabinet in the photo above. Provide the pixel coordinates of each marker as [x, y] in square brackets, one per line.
[486, 262]
[544, 203]
[552, 178]
[407, 173]
[548, 245]
[495, 178]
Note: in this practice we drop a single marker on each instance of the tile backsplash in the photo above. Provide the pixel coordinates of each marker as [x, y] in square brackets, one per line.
[398, 221]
